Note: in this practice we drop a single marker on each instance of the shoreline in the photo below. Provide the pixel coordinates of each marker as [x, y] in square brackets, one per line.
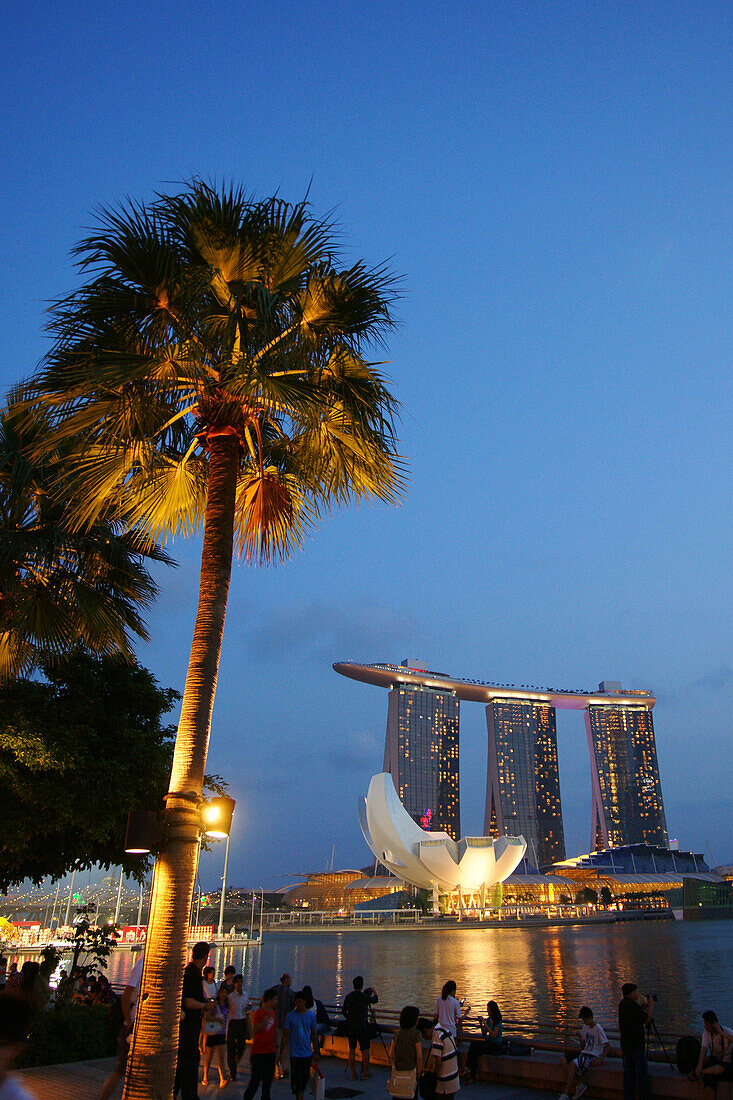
[469, 926]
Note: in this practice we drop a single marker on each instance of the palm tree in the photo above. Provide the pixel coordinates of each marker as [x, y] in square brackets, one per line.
[214, 367]
[60, 587]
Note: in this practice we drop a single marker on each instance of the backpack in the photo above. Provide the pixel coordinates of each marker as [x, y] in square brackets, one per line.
[687, 1053]
[516, 1049]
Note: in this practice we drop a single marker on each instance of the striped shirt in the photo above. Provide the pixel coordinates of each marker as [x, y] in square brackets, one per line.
[443, 1047]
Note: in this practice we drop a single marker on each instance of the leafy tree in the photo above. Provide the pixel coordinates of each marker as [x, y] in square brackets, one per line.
[605, 896]
[214, 369]
[91, 946]
[586, 896]
[60, 586]
[77, 752]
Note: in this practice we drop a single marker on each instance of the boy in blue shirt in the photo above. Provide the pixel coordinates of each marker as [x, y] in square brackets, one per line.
[300, 1027]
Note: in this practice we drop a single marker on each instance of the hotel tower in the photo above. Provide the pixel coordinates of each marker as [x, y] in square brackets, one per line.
[626, 791]
[421, 753]
[523, 779]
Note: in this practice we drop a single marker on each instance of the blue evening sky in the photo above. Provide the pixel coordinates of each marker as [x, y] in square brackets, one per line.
[553, 182]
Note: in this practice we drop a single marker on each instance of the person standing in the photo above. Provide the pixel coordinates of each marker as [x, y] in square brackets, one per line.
[322, 1020]
[405, 1053]
[228, 980]
[215, 1029]
[193, 1003]
[211, 992]
[634, 1014]
[356, 1010]
[443, 1059]
[448, 1009]
[236, 1026]
[284, 1006]
[210, 987]
[300, 1027]
[264, 1046]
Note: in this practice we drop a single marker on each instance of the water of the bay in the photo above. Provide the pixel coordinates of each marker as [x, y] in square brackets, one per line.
[533, 973]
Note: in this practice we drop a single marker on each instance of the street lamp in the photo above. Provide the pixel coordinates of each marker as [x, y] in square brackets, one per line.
[217, 817]
[146, 832]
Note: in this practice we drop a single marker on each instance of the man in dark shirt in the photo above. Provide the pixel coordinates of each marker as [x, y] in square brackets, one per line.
[356, 1010]
[634, 1013]
[193, 1004]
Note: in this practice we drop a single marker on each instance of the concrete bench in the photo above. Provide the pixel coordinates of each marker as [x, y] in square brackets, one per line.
[548, 1071]
[545, 1071]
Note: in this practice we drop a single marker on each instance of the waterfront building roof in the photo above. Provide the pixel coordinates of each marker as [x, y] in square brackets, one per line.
[633, 859]
[481, 691]
[538, 880]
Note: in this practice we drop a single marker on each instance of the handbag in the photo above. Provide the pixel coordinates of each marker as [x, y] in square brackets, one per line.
[318, 1083]
[402, 1083]
[427, 1083]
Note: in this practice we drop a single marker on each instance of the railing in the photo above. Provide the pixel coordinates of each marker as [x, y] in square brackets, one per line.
[546, 1035]
[300, 918]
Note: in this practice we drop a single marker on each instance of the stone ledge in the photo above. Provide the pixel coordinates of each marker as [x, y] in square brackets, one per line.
[549, 1072]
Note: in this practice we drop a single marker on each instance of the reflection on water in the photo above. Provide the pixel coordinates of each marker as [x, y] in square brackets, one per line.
[533, 973]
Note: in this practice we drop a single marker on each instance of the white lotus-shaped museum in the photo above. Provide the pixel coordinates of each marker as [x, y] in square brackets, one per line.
[432, 860]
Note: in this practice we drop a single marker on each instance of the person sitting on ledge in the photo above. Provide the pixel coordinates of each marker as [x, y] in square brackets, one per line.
[595, 1048]
[715, 1062]
[491, 1029]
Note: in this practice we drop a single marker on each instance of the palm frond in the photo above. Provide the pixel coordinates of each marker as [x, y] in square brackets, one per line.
[272, 516]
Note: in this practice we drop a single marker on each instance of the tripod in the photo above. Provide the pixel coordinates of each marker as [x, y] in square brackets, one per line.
[651, 1026]
[379, 1030]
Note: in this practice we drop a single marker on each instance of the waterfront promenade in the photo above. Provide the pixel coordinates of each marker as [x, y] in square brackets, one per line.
[83, 1080]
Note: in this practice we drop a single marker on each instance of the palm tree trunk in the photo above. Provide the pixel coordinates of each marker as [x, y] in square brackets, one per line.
[152, 1060]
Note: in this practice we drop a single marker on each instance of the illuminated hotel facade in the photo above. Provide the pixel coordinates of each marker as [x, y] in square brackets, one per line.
[523, 778]
[523, 782]
[627, 793]
[421, 754]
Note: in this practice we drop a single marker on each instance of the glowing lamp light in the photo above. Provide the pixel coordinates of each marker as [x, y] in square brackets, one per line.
[216, 817]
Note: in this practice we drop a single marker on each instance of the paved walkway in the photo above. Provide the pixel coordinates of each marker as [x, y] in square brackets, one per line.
[83, 1080]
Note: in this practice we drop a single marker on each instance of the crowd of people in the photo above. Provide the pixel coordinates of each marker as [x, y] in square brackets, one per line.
[285, 1031]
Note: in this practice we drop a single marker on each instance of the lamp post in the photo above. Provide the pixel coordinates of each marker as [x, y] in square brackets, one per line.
[140, 909]
[55, 902]
[71, 894]
[119, 897]
[45, 915]
[196, 904]
[223, 889]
